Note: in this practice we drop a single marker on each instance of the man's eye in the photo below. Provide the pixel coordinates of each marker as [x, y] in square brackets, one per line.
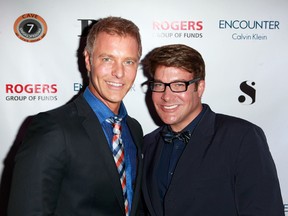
[106, 59]
[158, 84]
[179, 84]
[129, 62]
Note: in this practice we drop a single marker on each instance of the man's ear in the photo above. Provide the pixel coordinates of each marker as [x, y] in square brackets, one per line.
[87, 61]
[201, 88]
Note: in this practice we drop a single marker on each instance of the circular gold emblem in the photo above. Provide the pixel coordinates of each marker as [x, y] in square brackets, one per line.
[30, 27]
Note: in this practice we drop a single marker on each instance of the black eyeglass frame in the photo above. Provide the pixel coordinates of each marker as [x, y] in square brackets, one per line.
[187, 83]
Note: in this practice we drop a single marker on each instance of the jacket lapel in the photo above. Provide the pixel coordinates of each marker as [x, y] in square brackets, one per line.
[98, 141]
[137, 135]
[154, 151]
[197, 147]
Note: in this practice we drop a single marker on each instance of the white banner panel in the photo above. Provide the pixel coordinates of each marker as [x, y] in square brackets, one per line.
[244, 45]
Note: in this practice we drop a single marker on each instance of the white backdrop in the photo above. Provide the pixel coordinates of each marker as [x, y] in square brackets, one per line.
[243, 43]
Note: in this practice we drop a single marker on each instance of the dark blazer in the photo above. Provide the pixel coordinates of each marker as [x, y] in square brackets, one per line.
[65, 166]
[225, 170]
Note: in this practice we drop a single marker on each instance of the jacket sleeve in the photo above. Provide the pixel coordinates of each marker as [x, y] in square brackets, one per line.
[257, 187]
[38, 170]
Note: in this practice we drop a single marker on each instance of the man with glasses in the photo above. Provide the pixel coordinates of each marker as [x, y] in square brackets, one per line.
[199, 162]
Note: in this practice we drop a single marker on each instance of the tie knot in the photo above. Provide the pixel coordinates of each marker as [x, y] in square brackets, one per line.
[116, 123]
[114, 120]
[169, 136]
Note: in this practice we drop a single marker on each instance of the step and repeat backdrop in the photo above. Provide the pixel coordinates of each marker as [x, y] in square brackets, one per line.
[244, 44]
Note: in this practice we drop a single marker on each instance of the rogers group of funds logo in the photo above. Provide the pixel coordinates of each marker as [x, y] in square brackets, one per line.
[30, 27]
[188, 29]
[31, 92]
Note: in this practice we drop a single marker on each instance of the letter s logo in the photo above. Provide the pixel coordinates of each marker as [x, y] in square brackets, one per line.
[248, 90]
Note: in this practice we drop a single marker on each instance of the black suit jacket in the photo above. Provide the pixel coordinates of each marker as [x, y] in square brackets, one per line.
[226, 169]
[65, 166]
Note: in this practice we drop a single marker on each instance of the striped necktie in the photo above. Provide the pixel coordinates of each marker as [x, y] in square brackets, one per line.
[118, 153]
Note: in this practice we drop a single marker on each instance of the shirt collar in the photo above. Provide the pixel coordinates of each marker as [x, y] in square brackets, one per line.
[100, 109]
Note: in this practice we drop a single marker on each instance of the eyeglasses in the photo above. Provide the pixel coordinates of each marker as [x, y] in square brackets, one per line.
[177, 86]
